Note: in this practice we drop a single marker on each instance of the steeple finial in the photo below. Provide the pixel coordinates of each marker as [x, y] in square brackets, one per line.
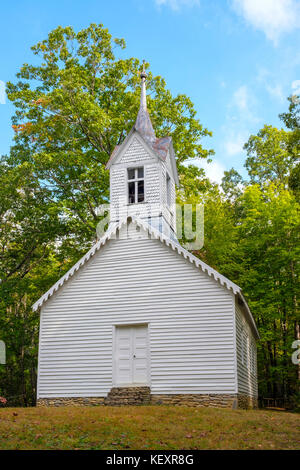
[143, 72]
[143, 76]
[143, 123]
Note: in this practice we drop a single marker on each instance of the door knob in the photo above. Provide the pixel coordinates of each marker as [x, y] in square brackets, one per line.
[134, 355]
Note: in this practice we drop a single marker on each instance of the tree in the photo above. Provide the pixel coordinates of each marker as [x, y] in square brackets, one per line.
[253, 239]
[232, 183]
[292, 121]
[270, 156]
[292, 118]
[76, 105]
[72, 107]
[294, 181]
[30, 227]
[269, 251]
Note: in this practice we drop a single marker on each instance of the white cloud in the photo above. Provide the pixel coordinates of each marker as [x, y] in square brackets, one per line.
[241, 98]
[276, 91]
[273, 17]
[234, 144]
[177, 4]
[240, 118]
[269, 81]
[242, 104]
[296, 87]
[214, 170]
[2, 92]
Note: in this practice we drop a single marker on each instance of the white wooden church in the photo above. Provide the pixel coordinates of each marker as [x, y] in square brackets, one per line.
[139, 319]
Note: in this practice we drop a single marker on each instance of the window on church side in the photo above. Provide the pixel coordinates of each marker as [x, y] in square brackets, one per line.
[136, 191]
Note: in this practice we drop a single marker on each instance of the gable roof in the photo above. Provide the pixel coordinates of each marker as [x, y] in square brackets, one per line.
[159, 148]
[111, 232]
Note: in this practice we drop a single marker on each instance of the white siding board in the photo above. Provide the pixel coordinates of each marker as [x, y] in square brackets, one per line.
[190, 318]
[134, 153]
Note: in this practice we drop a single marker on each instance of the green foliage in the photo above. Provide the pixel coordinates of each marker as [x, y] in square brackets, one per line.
[268, 249]
[30, 224]
[269, 155]
[294, 181]
[255, 242]
[76, 105]
[292, 118]
[232, 183]
[252, 236]
[292, 122]
[73, 106]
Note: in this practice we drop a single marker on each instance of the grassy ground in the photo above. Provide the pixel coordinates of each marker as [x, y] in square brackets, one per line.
[147, 427]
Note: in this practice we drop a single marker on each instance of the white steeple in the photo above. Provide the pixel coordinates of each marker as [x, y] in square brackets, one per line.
[143, 174]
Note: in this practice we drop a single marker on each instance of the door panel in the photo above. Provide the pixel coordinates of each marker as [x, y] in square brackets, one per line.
[140, 356]
[131, 355]
[123, 355]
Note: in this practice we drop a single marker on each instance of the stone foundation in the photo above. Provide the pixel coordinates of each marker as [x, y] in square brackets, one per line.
[196, 400]
[71, 401]
[141, 396]
[119, 396]
[210, 400]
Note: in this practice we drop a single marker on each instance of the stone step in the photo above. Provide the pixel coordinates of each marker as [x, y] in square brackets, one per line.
[128, 396]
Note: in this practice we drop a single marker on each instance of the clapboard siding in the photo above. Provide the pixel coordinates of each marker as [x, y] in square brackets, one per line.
[155, 205]
[135, 152]
[135, 155]
[246, 368]
[190, 318]
[168, 211]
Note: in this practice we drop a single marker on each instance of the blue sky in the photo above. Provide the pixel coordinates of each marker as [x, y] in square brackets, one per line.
[238, 60]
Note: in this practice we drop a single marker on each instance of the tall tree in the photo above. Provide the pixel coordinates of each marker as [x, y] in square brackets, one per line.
[269, 251]
[270, 156]
[292, 121]
[232, 183]
[73, 106]
[76, 105]
[30, 226]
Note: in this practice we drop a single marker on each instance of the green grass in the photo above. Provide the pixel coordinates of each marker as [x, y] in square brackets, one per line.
[147, 427]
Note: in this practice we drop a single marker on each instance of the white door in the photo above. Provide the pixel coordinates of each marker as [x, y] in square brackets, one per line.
[131, 355]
